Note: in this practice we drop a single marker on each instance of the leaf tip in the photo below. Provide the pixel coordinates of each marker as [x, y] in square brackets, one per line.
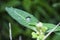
[7, 8]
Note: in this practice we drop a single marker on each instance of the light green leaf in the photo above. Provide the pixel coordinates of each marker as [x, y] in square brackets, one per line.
[22, 17]
[51, 26]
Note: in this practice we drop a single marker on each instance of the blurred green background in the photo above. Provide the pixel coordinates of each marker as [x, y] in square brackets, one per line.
[47, 11]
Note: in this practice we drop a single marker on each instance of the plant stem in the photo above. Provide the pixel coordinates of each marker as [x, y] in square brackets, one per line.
[20, 38]
[51, 31]
[10, 33]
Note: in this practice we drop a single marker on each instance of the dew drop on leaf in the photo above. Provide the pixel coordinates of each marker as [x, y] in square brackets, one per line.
[28, 19]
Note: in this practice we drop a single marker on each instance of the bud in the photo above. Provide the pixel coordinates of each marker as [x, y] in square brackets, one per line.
[39, 24]
[34, 35]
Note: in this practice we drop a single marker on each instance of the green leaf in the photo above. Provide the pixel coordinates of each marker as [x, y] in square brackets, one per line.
[51, 26]
[22, 17]
[54, 36]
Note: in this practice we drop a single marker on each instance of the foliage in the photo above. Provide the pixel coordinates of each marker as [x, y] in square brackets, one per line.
[21, 16]
[46, 11]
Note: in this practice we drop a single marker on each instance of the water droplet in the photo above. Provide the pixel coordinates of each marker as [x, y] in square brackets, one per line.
[28, 19]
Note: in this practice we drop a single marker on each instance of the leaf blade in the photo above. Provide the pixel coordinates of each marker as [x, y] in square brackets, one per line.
[20, 16]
